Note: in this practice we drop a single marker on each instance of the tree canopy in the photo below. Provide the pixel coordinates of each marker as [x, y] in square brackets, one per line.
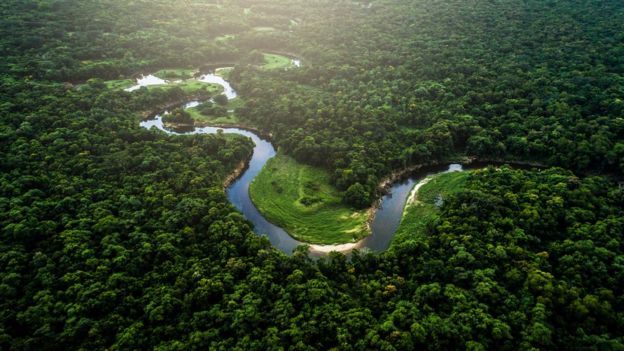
[117, 237]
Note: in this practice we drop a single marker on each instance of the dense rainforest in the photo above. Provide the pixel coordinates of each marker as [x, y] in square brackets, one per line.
[118, 237]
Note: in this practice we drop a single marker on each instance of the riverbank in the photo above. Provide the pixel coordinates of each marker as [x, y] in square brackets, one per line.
[342, 248]
[236, 173]
[412, 198]
[386, 183]
[423, 204]
[401, 195]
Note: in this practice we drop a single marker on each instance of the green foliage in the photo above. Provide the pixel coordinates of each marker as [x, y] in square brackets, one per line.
[175, 73]
[273, 61]
[220, 100]
[116, 237]
[101, 212]
[209, 109]
[526, 245]
[357, 195]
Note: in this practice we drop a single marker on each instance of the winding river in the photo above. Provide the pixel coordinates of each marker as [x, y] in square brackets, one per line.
[383, 227]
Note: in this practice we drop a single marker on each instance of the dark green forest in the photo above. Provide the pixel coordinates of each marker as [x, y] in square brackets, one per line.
[118, 237]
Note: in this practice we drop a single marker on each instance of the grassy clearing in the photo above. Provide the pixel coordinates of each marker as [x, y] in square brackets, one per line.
[175, 73]
[189, 86]
[230, 118]
[192, 86]
[119, 84]
[300, 199]
[429, 198]
[272, 61]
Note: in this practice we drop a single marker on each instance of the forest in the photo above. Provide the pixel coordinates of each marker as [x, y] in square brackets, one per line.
[114, 236]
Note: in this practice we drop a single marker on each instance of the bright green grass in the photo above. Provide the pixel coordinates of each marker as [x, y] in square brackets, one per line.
[230, 118]
[189, 86]
[424, 209]
[272, 61]
[192, 86]
[175, 73]
[300, 199]
[119, 84]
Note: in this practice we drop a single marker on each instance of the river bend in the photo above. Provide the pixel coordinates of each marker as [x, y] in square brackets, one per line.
[383, 227]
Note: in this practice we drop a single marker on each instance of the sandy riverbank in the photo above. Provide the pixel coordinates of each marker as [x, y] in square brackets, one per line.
[338, 247]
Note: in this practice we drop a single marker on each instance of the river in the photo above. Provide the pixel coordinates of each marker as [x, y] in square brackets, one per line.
[383, 227]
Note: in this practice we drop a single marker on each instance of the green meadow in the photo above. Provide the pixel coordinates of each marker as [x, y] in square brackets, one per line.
[273, 61]
[301, 199]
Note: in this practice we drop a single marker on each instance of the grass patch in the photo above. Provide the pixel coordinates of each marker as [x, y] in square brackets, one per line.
[426, 207]
[118, 84]
[175, 73]
[189, 86]
[229, 118]
[192, 86]
[272, 61]
[300, 199]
